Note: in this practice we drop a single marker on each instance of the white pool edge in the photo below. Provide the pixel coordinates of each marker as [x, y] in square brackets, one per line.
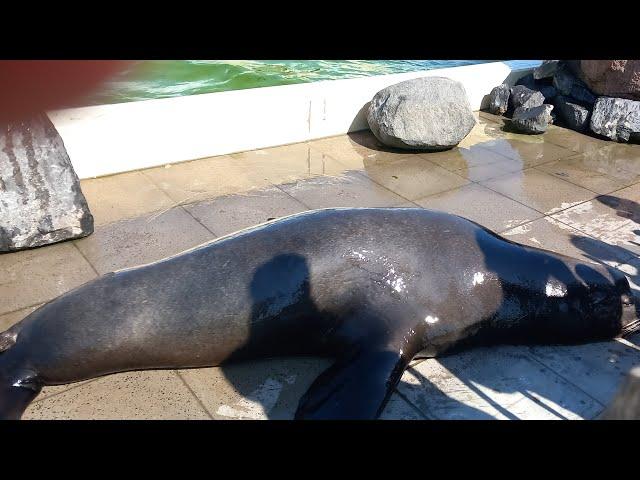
[108, 139]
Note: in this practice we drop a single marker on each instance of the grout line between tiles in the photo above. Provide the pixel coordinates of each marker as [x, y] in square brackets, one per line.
[186, 384]
[86, 259]
[72, 387]
[188, 212]
[37, 304]
[424, 416]
[531, 355]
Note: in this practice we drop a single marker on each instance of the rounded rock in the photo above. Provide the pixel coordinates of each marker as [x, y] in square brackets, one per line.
[430, 113]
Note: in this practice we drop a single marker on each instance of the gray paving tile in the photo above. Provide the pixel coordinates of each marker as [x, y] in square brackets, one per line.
[604, 222]
[199, 180]
[498, 382]
[464, 158]
[9, 319]
[597, 172]
[527, 152]
[412, 177]
[121, 196]
[38, 275]
[256, 390]
[400, 409]
[596, 368]
[555, 236]
[484, 206]
[348, 190]
[136, 241]
[496, 169]
[351, 150]
[573, 140]
[539, 190]
[231, 213]
[150, 395]
[286, 164]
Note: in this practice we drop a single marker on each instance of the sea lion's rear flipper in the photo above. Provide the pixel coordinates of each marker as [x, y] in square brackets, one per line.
[357, 386]
[17, 390]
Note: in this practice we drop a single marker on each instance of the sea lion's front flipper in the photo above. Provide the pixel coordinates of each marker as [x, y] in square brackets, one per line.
[357, 386]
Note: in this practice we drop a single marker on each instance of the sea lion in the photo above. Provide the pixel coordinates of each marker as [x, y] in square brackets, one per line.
[371, 287]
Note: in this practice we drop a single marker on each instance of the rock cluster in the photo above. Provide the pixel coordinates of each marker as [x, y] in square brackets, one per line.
[526, 106]
[600, 97]
[40, 197]
[429, 113]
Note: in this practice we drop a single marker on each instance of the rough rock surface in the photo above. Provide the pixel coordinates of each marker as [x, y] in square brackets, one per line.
[499, 99]
[40, 197]
[574, 116]
[546, 70]
[532, 120]
[612, 78]
[617, 119]
[569, 85]
[548, 92]
[429, 113]
[523, 97]
[528, 81]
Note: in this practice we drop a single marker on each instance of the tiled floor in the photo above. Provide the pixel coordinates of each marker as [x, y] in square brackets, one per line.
[562, 191]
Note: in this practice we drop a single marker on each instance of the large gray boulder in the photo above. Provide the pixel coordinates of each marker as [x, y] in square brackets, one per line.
[617, 119]
[613, 78]
[40, 197]
[430, 113]
[532, 120]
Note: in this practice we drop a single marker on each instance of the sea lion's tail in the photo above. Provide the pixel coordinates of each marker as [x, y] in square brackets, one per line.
[17, 386]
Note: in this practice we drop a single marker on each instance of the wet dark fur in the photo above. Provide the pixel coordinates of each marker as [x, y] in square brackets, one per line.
[372, 288]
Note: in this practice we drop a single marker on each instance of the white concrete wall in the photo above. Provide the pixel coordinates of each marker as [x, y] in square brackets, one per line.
[107, 139]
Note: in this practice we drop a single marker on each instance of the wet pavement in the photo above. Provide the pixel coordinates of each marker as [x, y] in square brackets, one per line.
[562, 191]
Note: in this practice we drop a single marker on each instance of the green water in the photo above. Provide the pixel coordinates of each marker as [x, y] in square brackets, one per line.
[173, 78]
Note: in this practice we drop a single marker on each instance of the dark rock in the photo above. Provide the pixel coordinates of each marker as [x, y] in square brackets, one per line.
[569, 85]
[524, 97]
[499, 99]
[572, 115]
[612, 78]
[548, 92]
[563, 81]
[527, 81]
[429, 113]
[546, 70]
[532, 120]
[40, 197]
[582, 95]
[617, 119]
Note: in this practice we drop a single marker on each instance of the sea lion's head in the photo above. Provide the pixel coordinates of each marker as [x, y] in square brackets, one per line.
[597, 303]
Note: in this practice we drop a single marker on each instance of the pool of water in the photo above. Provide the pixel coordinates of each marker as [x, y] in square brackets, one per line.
[174, 78]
